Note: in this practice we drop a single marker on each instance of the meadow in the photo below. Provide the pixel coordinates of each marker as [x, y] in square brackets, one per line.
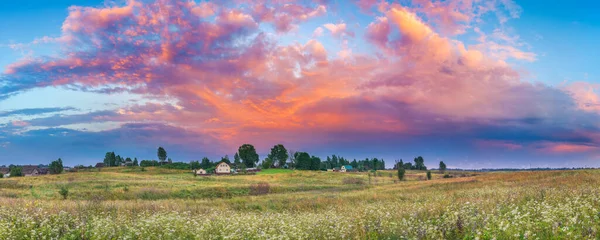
[128, 203]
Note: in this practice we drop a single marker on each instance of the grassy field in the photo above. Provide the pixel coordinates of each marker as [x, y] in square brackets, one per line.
[128, 203]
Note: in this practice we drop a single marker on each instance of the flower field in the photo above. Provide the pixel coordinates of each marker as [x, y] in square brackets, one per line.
[302, 205]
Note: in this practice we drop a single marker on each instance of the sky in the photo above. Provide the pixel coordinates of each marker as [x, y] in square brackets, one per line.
[473, 83]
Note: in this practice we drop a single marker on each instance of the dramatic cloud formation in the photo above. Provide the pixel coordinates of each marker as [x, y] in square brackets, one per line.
[219, 75]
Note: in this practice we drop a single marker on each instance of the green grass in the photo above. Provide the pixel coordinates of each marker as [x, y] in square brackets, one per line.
[274, 171]
[162, 203]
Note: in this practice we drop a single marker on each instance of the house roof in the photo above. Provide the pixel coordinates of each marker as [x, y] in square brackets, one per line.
[29, 169]
[221, 162]
[348, 167]
[4, 170]
[99, 165]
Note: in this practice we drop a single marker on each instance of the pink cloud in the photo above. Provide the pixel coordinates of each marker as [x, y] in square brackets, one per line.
[338, 30]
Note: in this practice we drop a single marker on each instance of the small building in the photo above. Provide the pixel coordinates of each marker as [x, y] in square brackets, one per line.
[99, 165]
[252, 170]
[222, 168]
[5, 172]
[43, 171]
[330, 169]
[200, 172]
[346, 168]
[29, 171]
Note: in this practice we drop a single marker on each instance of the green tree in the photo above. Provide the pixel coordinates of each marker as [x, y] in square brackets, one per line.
[236, 160]
[279, 155]
[442, 167]
[267, 163]
[161, 154]
[135, 162]
[107, 159]
[206, 163]
[226, 159]
[113, 160]
[428, 175]
[315, 163]
[401, 172]
[16, 171]
[194, 165]
[303, 161]
[56, 167]
[248, 155]
[420, 163]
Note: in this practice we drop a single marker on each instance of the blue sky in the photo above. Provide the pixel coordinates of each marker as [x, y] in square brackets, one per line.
[370, 85]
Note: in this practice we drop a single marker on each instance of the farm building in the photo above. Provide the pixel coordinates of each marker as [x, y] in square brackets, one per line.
[99, 165]
[223, 168]
[30, 170]
[346, 168]
[200, 172]
[5, 172]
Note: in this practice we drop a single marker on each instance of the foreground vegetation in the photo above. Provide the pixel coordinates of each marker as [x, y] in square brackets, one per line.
[127, 203]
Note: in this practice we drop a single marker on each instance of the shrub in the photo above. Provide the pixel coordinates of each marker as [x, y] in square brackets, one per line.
[353, 180]
[64, 192]
[428, 175]
[260, 188]
[401, 172]
[447, 176]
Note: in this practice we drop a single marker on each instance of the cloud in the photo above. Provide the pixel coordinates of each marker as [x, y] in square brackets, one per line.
[34, 111]
[220, 76]
[338, 30]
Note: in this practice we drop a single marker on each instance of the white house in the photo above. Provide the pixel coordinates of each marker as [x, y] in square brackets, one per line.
[200, 171]
[223, 168]
[346, 168]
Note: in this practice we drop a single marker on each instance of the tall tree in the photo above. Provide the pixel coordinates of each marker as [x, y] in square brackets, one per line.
[226, 159]
[206, 163]
[107, 159]
[161, 154]
[113, 160]
[267, 163]
[236, 160]
[248, 155]
[194, 165]
[56, 167]
[420, 163]
[279, 155]
[315, 163]
[303, 161]
[135, 162]
[442, 167]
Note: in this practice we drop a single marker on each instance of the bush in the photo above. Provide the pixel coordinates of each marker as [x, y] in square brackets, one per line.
[428, 175]
[353, 180]
[177, 165]
[260, 188]
[64, 192]
[401, 172]
[447, 176]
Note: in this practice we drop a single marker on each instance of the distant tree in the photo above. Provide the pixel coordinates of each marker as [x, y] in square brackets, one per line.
[135, 162]
[119, 160]
[56, 167]
[107, 159]
[279, 155]
[206, 163]
[354, 163]
[161, 154]
[16, 171]
[248, 155]
[170, 161]
[420, 163]
[303, 161]
[113, 160]
[442, 167]
[292, 154]
[236, 160]
[315, 163]
[428, 175]
[267, 163]
[195, 165]
[226, 159]
[401, 172]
